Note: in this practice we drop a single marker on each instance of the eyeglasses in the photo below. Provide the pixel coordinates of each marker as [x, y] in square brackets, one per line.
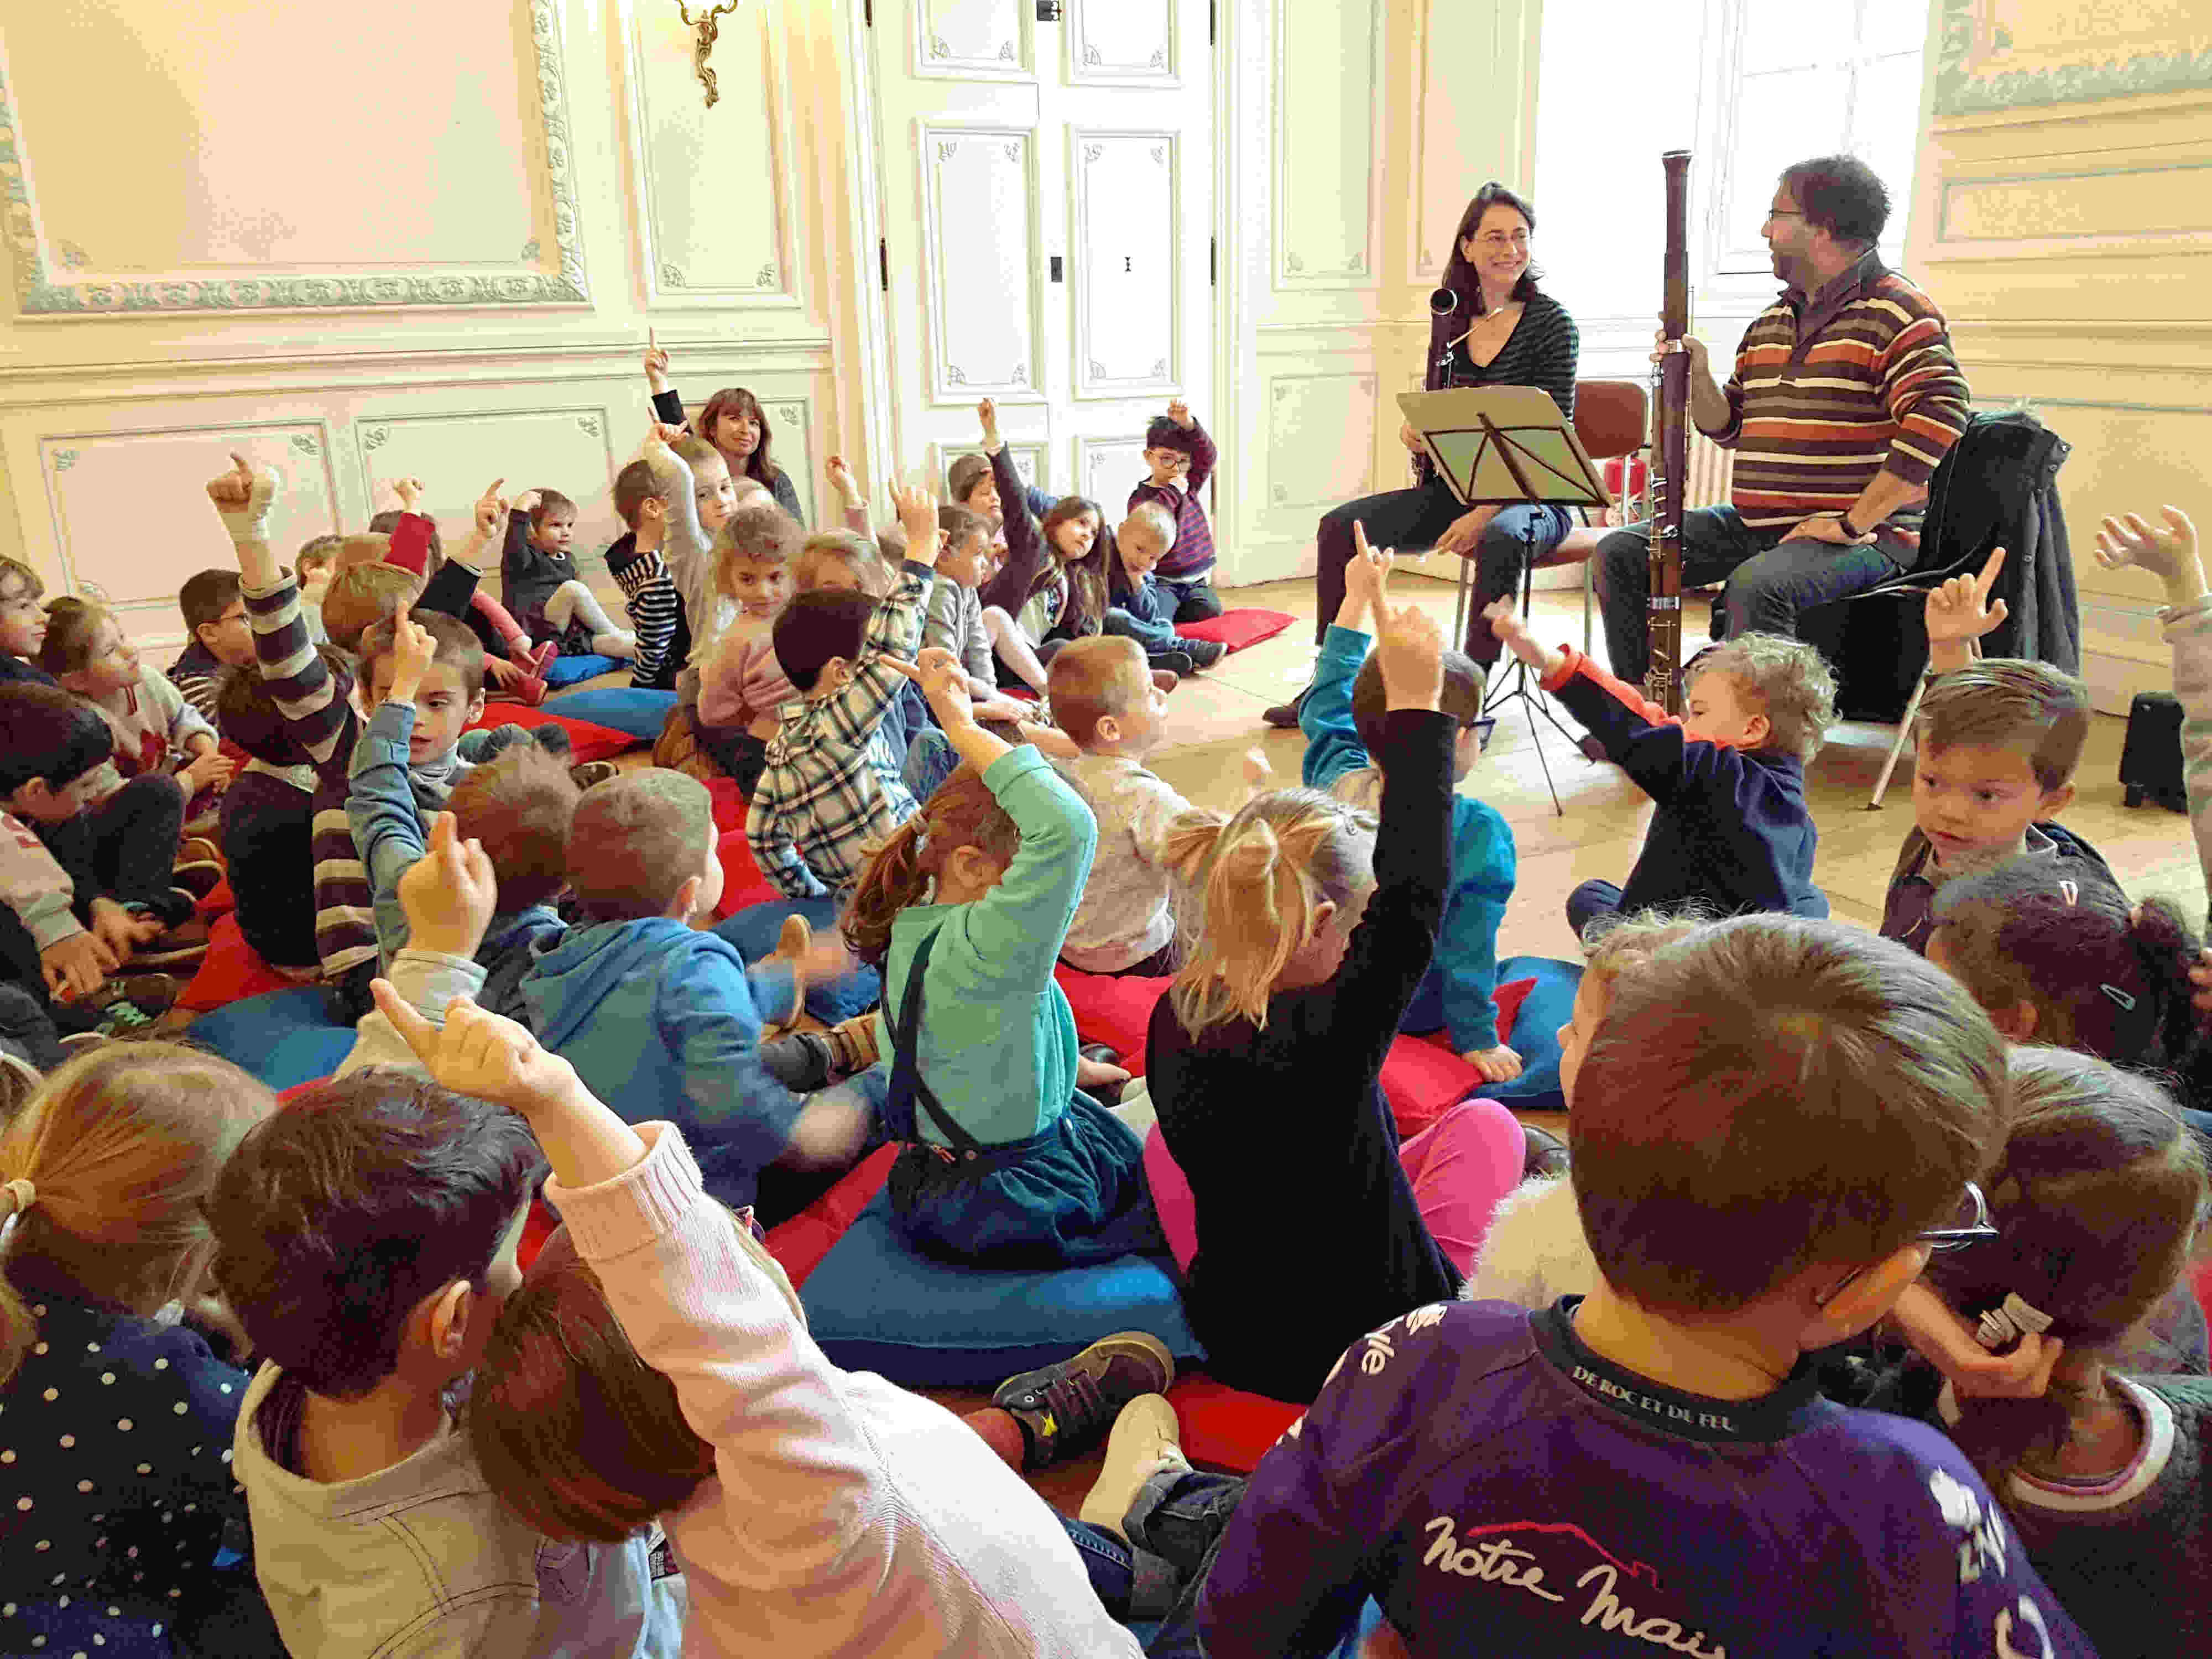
[1970, 1225]
[1498, 238]
[1483, 728]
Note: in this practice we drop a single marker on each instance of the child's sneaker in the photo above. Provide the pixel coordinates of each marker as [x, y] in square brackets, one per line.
[1067, 1409]
[1168, 670]
[19, 1081]
[1203, 654]
[199, 849]
[1143, 1445]
[590, 772]
[126, 1003]
[183, 945]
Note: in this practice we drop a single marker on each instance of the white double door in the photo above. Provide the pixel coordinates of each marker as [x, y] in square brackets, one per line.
[1047, 208]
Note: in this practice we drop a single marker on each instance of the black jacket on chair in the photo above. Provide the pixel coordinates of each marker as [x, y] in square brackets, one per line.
[1999, 488]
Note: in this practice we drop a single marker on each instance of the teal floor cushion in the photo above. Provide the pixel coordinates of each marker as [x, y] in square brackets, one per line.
[875, 1305]
[284, 1037]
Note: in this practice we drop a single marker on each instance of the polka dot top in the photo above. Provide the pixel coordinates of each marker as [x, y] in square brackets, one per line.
[117, 1504]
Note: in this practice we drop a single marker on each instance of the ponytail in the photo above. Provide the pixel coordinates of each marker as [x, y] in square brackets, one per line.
[106, 1168]
[2097, 1198]
[1260, 880]
[900, 869]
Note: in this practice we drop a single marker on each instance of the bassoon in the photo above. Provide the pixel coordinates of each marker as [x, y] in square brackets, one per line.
[1671, 448]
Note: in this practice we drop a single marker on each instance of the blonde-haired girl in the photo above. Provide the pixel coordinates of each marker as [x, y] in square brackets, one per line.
[965, 906]
[1310, 932]
[115, 1421]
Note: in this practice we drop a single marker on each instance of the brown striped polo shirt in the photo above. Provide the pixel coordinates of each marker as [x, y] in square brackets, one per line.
[1831, 390]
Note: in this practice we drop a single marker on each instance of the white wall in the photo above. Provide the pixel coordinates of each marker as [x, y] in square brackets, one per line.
[1356, 131]
[396, 236]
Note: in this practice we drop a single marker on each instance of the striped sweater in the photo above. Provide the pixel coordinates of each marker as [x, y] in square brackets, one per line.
[1831, 389]
[317, 704]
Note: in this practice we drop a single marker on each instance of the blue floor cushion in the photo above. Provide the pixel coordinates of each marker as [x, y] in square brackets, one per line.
[283, 1038]
[875, 1305]
[568, 671]
[1549, 1004]
[623, 708]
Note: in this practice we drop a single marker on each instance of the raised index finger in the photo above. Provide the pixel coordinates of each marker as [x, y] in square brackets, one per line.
[1989, 568]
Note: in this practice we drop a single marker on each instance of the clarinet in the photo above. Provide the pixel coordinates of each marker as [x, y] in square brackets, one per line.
[1669, 475]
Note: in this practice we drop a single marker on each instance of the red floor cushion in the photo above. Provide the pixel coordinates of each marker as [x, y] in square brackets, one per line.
[220, 901]
[1226, 1428]
[1419, 1079]
[742, 881]
[1240, 628]
[230, 971]
[588, 742]
[800, 1243]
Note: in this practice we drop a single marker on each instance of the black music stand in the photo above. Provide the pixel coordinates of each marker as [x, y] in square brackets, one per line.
[1509, 446]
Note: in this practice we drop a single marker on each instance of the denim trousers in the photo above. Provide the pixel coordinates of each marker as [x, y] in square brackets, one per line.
[1175, 1529]
[1413, 520]
[1768, 580]
[1195, 599]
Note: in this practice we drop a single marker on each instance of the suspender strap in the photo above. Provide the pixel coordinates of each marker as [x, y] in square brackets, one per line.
[906, 1068]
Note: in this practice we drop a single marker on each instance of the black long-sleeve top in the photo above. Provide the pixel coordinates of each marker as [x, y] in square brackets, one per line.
[1308, 1234]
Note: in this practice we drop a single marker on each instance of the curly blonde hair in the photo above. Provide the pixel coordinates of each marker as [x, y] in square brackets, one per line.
[1788, 680]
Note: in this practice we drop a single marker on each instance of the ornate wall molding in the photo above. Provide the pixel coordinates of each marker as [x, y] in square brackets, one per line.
[1095, 58]
[1032, 462]
[1004, 51]
[1306, 67]
[682, 177]
[1114, 171]
[981, 293]
[1970, 79]
[61, 281]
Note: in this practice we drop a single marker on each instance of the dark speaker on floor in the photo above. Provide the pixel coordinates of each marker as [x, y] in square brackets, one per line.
[2150, 761]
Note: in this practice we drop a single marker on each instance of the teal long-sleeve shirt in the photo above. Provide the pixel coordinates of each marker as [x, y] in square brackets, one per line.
[998, 1043]
[1482, 855]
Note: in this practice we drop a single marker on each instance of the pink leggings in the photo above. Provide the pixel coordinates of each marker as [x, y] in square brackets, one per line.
[1460, 1166]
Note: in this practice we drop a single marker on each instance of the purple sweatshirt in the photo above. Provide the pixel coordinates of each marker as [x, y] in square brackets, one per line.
[1499, 1488]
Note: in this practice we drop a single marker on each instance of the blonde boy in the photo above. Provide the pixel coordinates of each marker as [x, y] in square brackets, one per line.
[1105, 698]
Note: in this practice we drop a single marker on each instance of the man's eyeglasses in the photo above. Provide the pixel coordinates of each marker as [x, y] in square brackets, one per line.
[1483, 728]
[1970, 1225]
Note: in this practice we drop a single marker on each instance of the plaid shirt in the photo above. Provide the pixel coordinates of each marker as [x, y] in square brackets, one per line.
[831, 786]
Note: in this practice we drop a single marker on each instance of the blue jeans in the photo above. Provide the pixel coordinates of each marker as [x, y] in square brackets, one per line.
[753, 930]
[1768, 580]
[1154, 637]
[1195, 599]
[1175, 1528]
[1408, 519]
[930, 759]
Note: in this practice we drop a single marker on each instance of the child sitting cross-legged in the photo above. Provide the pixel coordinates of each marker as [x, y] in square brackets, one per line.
[88, 884]
[1998, 742]
[1310, 932]
[829, 788]
[366, 1236]
[1342, 718]
[667, 1019]
[1103, 697]
[1732, 832]
[538, 574]
[1179, 459]
[116, 1416]
[2095, 1207]
[1006, 1160]
[1139, 604]
[1777, 1123]
[662, 1367]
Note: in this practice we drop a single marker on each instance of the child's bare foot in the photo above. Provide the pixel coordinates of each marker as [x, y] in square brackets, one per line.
[1166, 678]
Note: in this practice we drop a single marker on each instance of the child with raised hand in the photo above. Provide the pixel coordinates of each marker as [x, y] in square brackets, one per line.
[1179, 459]
[1777, 1123]
[2171, 555]
[2094, 1209]
[1052, 587]
[1005, 1159]
[538, 574]
[731, 423]
[1341, 716]
[815, 1511]
[1733, 832]
[1310, 933]
[116, 1418]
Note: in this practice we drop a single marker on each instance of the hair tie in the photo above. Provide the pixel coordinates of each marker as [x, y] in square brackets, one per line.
[2011, 1320]
[21, 1191]
[2119, 996]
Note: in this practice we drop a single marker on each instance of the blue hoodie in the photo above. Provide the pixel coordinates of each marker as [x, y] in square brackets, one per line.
[659, 1022]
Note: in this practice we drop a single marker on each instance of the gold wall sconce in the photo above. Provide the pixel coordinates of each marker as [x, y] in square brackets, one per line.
[709, 28]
